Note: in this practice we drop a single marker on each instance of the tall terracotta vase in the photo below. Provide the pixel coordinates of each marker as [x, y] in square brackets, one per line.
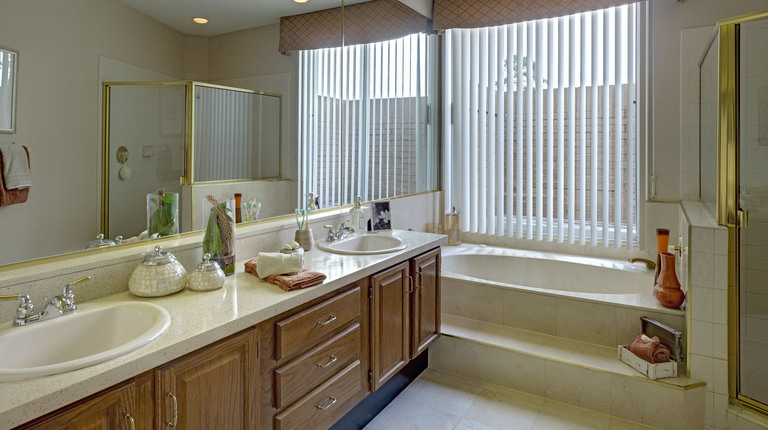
[662, 241]
[667, 289]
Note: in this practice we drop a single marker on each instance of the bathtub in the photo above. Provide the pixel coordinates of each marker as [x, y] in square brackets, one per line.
[558, 294]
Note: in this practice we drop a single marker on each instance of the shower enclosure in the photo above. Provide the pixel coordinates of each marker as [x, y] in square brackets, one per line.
[179, 136]
[734, 183]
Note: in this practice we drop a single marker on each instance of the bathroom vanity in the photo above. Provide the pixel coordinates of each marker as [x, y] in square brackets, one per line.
[253, 356]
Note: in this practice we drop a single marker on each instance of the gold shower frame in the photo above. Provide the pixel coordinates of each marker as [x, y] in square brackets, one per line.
[728, 213]
[189, 127]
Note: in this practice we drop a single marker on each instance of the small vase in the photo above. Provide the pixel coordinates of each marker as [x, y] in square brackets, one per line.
[667, 289]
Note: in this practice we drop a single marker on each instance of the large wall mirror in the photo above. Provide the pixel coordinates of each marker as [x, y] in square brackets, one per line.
[8, 75]
[60, 100]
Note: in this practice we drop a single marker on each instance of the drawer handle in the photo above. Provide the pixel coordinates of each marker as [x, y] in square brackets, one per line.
[175, 411]
[131, 421]
[330, 319]
[330, 361]
[322, 408]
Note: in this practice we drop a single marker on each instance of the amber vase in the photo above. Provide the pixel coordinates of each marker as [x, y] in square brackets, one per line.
[667, 289]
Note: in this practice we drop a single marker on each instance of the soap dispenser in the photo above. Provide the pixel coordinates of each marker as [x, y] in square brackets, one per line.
[356, 214]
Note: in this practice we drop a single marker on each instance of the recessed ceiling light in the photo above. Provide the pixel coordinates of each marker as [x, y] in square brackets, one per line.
[300, 1]
[200, 20]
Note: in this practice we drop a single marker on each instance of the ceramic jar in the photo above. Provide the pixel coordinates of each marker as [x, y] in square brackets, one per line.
[208, 276]
[667, 289]
[158, 275]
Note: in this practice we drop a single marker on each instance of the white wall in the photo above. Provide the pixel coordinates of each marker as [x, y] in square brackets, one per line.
[59, 45]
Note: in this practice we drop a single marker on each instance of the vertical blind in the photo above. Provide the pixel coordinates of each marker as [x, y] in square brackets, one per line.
[366, 123]
[540, 127]
[224, 135]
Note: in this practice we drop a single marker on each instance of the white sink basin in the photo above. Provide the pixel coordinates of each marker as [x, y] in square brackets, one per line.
[364, 244]
[94, 333]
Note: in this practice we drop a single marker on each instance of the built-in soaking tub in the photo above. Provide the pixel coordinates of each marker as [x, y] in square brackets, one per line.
[584, 298]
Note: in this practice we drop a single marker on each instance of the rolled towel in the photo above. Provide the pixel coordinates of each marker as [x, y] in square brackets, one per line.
[651, 350]
[303, 279]
[15, 166]
[277, 263]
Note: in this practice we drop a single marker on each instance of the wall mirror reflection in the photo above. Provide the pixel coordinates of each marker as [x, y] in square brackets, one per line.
[174, 136]
[8, 75]
[63, 122]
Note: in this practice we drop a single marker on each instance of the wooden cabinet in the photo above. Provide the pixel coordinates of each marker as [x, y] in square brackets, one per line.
[390, 314]
[317, 362]
[216, 387]
[405, 314]
[425, 301]
[305, 368]
[121, 407]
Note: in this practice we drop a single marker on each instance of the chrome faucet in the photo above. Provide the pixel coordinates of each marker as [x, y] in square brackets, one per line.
[59, 305]
[341, 233]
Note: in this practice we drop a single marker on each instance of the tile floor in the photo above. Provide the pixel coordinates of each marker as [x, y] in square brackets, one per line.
[443, 401]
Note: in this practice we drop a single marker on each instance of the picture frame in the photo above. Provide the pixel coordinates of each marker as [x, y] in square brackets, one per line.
[381, 218]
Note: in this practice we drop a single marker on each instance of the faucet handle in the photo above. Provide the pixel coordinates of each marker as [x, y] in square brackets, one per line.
[68, 294]
[25, 308]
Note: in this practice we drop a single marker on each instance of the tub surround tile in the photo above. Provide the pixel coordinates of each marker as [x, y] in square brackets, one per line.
[703, 368]
[720, 343]
[702, 273]
[702, 303]
[702, 335]
[479, 302]
[587, 322]
[522, 372]
[579, 386]
[528, 311]
[703, 240]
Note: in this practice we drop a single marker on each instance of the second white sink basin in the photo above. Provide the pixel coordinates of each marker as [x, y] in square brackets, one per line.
[94, 333]
[364, 244]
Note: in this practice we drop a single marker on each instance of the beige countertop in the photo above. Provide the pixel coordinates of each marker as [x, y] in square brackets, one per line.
[197, 319]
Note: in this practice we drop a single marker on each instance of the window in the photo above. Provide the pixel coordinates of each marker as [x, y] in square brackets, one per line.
[366, 120]
[540, 127]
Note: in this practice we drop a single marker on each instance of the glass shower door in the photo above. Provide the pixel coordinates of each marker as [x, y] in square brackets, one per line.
[753, 199]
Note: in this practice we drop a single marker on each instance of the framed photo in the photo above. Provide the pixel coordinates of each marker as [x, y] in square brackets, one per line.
[380, 216]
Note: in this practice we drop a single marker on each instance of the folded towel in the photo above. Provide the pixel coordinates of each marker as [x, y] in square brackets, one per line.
[277, 263]
[650, 350]
[15, 166]
[305, 278]
[10, 197]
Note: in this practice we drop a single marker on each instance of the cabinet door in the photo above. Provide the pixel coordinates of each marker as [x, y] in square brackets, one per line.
[112, 409]
[390, 310]
[214, 388]
[425, 304]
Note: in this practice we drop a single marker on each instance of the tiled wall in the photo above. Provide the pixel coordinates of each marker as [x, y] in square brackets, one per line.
[708, 307]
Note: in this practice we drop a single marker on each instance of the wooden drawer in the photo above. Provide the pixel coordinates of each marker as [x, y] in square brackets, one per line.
[325, 405]
[307, 372]
[304, 329]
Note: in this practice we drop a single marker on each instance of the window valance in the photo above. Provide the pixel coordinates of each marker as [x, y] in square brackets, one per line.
[369, 22]
[486, 13]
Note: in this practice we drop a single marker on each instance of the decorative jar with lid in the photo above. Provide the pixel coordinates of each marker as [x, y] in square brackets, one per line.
[208, 276]
[158, 275]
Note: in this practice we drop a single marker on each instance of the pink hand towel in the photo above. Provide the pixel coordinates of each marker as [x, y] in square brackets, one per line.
[305, 278]
[652, 352]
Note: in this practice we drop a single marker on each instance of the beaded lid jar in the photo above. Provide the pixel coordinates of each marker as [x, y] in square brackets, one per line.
[158, 275]
[208, 276]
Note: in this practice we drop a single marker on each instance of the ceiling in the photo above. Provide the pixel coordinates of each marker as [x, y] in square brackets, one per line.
[226, 16]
